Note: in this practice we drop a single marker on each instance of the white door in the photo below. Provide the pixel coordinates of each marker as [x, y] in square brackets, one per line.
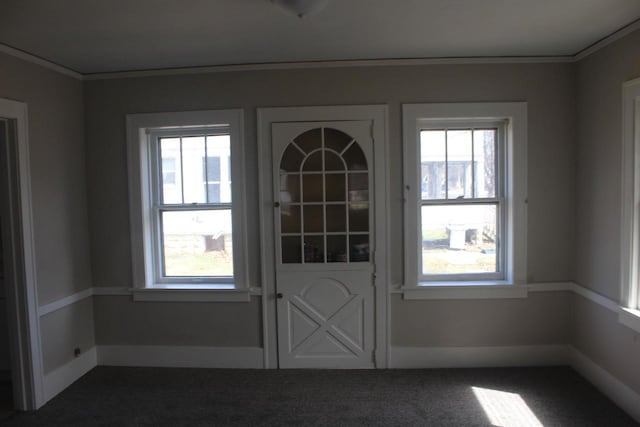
[323, 179]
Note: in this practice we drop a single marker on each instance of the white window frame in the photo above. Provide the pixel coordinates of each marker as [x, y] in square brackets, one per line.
[629, 313]
[142, 132]
[512, 154]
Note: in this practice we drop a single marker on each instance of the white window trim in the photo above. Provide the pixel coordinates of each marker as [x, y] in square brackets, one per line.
[140, 199]
[629, 313]
[514, 191]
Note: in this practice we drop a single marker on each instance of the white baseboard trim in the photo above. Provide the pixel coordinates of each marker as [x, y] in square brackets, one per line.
[64, 376]
[478, 357]
[623, 396]
[180, 356]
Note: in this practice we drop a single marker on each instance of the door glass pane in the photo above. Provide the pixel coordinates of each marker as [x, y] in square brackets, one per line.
[337, 248]
[289, 188]
[291, 250]
[336, 140]
[313, 219]
[312, 188]
[358, 217]
[459, 239]
[358, 186]
[291, 159]
[310, 140]
[332, 162]
[171, 173]
[459, 160]
[484, 153]
[313, 162]
[313, 249]
[358, 248]
[336, 218]
[354, 157]
[197, 243]
[335, 187]
[433, 160]
[290, 218]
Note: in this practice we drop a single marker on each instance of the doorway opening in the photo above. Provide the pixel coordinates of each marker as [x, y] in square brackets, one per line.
[21, 383]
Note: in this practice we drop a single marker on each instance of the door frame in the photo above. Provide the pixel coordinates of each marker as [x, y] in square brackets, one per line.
[21, 290]
[378, 115]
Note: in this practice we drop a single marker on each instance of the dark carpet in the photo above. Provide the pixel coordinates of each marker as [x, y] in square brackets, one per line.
[110, 396]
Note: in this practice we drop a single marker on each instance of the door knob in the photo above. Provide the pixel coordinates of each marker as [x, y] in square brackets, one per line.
[279, 295]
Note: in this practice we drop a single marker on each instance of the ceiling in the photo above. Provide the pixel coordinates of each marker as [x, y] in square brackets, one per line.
[97, 36]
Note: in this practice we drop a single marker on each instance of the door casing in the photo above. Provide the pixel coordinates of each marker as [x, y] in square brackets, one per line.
[377, 114]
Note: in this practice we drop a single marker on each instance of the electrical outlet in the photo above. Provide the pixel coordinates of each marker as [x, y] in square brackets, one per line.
[76, 351]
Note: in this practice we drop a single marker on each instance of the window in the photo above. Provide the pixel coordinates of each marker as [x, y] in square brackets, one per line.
[186, 197]
[630, 233]
[465, 186]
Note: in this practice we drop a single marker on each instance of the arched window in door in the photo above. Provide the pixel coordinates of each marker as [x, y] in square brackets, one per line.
[324, 199]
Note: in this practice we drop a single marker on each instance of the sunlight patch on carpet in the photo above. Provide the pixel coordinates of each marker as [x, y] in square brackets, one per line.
[505, 409]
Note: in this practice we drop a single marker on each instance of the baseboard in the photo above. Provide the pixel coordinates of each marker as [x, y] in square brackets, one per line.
[64, 376]
[623, 396]
[180, 356]
[478, 357]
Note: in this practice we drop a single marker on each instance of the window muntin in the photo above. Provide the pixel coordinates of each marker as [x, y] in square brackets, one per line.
[191, 207]
[324, 199]
[461, 201]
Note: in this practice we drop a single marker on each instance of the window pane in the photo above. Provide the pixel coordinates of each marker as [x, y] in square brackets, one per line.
[289, 188]
[336, 218]
[312, 188]
[219, 147]
[459, 158]
[313, 249]
[313, 219]
[197, 243]
[432, 160]
[192, 155]
[335, 185]
[170, 173]
[309, 140]
[459, 239]
[359, 248]
[337, 248]
[484, 153]
[354, 157]
[336, 140]
[291, 250]
[291, 159]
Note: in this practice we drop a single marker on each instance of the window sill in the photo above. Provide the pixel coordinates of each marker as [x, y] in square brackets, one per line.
[479, 290]
[630, 318]
[192, 293]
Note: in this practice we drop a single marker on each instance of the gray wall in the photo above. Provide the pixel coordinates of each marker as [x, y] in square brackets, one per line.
[599, 148]
[57, 155]
[548, 89]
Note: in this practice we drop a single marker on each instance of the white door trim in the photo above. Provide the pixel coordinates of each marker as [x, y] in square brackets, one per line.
[23, 319]
[378, 115]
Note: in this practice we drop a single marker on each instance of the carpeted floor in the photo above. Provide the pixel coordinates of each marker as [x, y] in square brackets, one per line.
[110, 396]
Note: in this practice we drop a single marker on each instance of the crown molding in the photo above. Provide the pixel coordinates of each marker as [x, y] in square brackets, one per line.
[329, 64]
[606, 41]
[28, 57]
[582, 54]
